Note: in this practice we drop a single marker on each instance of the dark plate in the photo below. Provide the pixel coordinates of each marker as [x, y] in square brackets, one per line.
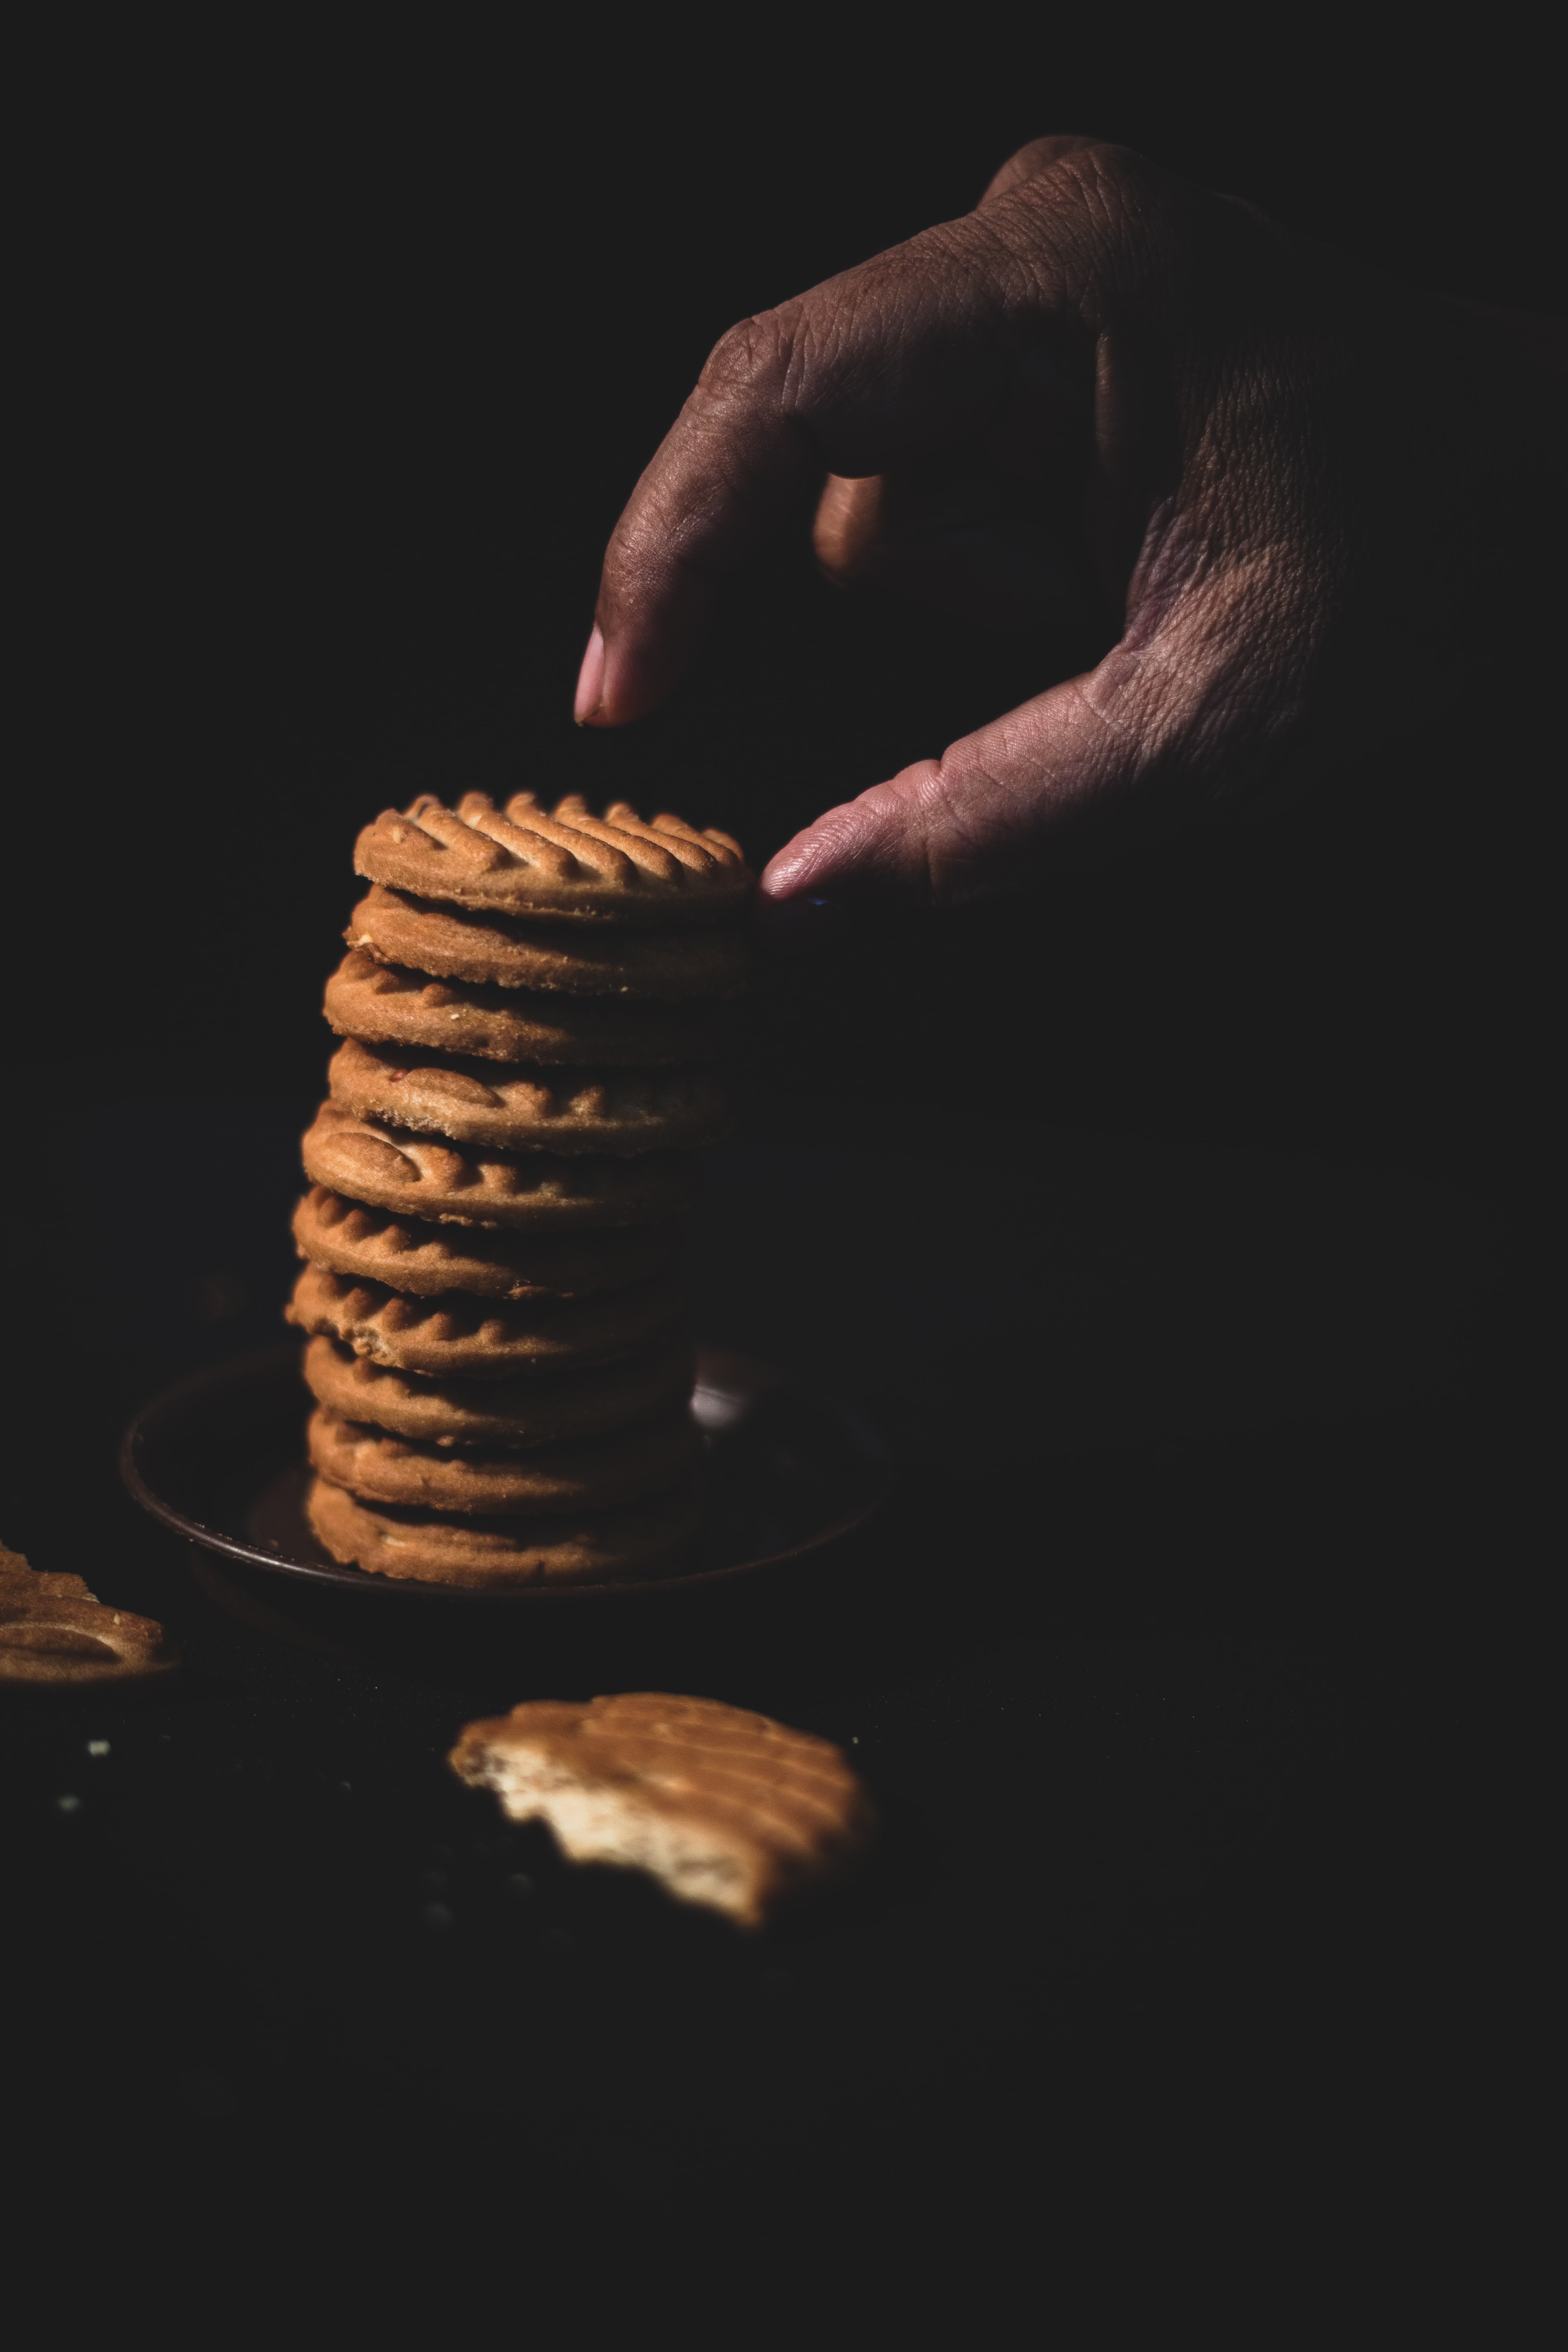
[789, 1472]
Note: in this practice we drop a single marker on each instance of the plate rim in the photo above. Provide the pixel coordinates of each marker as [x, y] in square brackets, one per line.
[257, 1363]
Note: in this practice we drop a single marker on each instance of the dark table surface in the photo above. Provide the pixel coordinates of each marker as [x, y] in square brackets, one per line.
[1189, 1667]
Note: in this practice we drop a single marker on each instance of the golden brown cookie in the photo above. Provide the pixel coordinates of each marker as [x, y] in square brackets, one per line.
[54, 1633]
[459, 1337]
[624, 1465]
[540, 1409]
[728, 1808]
[426, 1259]
[618, 1112]
[414, 1176]
[574, 1547]
[564, 863]
[384, 1004]
[451, 944]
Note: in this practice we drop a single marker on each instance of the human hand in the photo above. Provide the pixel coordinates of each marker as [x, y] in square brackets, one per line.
[1302, 492]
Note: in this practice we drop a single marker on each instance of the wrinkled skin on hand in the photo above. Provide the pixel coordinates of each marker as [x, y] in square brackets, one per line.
[1304, 493]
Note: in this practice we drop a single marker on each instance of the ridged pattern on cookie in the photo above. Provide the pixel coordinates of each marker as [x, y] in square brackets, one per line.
[425, 1260]
[449, 944]
[623, 1466]
[617, 1112]
[564, 863]
[459, 1337]
[729, 1809]
[55, 1632]
[416, 1176]
[530, 1004]
[538, 1409]
[586, 1547]
[384, 1004]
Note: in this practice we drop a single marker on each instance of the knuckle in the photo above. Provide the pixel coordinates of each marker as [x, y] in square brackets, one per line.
[1104, 212]
[1103, 173]
[750, 355]
[1034, 156]
[1101, 186]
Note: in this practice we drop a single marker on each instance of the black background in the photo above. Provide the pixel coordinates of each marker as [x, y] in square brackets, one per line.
[1185, 1224]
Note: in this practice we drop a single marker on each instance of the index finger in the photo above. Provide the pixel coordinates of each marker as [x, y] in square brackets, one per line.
[887, 362]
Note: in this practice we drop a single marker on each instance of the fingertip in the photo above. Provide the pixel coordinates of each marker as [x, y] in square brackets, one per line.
[625, 677]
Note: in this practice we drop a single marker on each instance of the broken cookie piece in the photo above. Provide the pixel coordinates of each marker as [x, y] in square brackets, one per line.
[53, 1630]
[727, 1809]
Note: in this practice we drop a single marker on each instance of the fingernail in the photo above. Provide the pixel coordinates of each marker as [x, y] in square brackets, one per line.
[590, 679]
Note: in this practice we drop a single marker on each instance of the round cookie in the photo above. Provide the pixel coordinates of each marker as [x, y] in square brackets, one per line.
[585, 1548]
[458, 1338]
[453, 944]
[564, 863]
[384, 1004]
[416, 1176]
[538, 1409]
[619, 1112]
[347, 1238]
[624, 1466]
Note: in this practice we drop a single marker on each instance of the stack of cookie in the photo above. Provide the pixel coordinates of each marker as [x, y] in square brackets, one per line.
[531, 1003]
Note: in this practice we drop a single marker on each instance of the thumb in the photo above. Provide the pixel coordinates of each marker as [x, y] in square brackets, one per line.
[1157, 735]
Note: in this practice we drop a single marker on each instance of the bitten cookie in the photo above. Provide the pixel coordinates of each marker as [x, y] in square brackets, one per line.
[416, 1176]
[586, 1547]
[564, 863]
[728, 1808]
[451, 943]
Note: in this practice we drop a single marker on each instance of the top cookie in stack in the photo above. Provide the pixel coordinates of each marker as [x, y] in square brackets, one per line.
[569, 865]
[530, 1004]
